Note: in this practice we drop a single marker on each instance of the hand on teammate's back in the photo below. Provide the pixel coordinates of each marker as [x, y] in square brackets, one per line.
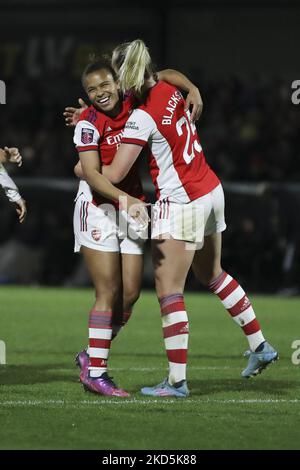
[194, 99]
[72, 115]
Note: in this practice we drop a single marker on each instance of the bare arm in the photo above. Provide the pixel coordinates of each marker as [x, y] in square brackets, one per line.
[91, 172]
[179, 80]
[122, 162]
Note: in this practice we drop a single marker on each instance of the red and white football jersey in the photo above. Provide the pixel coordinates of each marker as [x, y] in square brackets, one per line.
[97, 131]
[178, 167]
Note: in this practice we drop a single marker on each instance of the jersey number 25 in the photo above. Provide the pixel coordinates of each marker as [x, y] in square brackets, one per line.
[191, 144]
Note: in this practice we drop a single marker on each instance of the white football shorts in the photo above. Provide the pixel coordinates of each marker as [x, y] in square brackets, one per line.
[190, 222]
[99, 228]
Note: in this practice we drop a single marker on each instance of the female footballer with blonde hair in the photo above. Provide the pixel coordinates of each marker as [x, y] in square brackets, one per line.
[189, 195]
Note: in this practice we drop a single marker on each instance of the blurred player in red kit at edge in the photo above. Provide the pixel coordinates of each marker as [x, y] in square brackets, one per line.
[184, 184]
[113, 257]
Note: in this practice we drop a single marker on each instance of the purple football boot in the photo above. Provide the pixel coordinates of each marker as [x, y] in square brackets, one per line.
[82, 361]
[101, 385]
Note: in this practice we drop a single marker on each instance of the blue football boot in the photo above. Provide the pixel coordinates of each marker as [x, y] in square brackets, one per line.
[164, 389]
[259, 360]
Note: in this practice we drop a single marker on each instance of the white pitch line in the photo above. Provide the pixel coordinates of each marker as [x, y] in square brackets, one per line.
[12, 403]
[151, 369]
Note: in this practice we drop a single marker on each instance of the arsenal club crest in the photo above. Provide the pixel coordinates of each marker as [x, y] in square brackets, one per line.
[87, 136]
[96, 234]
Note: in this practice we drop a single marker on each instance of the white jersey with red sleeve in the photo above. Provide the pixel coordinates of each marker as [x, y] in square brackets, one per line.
[86, 136]
[97, 131]
[178, 167]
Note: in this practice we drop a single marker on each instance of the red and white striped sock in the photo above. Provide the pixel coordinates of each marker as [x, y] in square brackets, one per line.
[100, 332]
[176, 334]
[235, 300]
[116, 328]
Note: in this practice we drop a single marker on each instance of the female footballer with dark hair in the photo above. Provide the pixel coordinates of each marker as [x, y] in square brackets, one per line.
[112, 250]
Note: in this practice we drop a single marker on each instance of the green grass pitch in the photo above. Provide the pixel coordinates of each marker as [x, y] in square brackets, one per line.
[42, 405]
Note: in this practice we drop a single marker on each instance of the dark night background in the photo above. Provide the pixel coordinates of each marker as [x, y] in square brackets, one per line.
[242, 55]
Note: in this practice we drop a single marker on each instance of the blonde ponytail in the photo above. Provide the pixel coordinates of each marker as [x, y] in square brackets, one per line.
[133, 62]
